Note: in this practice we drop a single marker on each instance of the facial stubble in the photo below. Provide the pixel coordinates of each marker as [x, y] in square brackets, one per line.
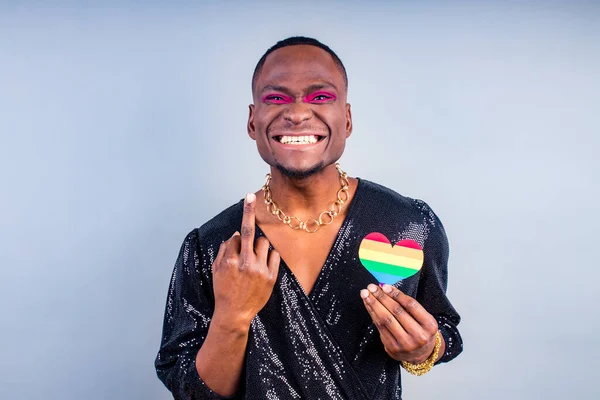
[299, 174]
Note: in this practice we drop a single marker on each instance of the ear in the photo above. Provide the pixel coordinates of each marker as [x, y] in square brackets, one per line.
[348, 120]
[251, 129]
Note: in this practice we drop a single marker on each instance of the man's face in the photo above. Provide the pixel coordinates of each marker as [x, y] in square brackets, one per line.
[300, 119]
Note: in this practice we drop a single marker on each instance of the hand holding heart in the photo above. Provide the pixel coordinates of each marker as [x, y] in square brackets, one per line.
[406, 329]
[244, 273]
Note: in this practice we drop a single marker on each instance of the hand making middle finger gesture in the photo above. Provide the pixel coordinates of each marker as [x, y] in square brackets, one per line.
[407, 330]
[244, 272]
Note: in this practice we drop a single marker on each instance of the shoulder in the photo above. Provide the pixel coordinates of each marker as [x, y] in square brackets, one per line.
[201, 245]
[222, 226]
[386, 198]
[413, 217]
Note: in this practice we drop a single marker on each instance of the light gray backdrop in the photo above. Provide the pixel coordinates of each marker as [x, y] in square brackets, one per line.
[124, 126]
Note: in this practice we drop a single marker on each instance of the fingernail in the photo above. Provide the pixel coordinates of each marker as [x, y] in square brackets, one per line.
[250, 197]
[235, 234]
[364, 293]
[372, 288]
[386, 288]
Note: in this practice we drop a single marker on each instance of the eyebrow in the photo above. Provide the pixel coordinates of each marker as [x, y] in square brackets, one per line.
[319, 86]
[310, 89]
[275, 88]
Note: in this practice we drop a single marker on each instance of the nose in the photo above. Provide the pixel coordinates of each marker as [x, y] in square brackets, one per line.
[297, 112]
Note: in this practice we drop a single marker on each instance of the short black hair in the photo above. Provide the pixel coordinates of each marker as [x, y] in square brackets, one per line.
[295, 41]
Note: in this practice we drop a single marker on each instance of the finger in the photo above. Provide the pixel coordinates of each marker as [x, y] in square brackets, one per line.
[248, 226]
[386, 336]
[234, 243]
[406, 320]
[384, 320]
[219, 258]
[231, 251]
[412, 306]
[273, 263]
[261, 248]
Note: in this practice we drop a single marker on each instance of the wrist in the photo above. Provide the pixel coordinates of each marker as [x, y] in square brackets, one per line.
[430, 350]
[442, 349]
[230, 324]
[422, 358]
[426, 354]
[425, 366]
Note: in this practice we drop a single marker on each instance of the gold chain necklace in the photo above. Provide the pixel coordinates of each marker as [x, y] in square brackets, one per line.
[311, 225]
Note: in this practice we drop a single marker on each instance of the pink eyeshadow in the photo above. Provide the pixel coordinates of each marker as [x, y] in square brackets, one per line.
[311, 97]
[270, 98]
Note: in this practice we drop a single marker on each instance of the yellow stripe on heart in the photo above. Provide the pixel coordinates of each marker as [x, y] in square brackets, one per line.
[388, 249]
[393, 259]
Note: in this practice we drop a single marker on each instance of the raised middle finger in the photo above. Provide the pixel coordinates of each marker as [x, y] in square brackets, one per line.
[248, 227]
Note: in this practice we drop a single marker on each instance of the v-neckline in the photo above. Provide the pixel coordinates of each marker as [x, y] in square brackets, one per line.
[351, 208]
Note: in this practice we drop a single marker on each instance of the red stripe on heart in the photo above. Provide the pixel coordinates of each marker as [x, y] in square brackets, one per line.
[411, 244]
[377, 237]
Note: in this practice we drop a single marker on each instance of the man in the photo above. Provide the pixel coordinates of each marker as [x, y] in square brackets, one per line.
[271, 299]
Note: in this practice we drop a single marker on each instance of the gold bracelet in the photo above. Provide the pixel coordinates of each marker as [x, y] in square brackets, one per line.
[425, 366]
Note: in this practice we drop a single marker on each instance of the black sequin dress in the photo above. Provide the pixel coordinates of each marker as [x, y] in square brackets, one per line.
[317, 346]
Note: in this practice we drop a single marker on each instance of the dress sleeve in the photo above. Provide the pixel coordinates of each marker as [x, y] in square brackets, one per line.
[188, 312]
[431, 292]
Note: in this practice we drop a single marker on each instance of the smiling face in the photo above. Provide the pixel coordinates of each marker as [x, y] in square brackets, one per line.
[300, 119]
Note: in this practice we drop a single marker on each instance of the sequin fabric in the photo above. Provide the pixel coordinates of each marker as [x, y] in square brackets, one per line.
[322, 345]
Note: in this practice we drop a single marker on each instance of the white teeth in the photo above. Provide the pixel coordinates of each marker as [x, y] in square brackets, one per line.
[299, 139]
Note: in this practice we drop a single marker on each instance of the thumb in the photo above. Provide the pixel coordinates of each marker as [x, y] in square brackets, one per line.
[273, 264]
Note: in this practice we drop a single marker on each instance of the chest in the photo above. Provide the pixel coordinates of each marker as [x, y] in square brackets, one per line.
[304, 253]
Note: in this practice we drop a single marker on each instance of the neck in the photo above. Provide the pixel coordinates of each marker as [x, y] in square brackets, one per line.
[307, 197]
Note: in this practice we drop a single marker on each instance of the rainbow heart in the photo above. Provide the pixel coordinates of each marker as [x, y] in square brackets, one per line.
[387, 263]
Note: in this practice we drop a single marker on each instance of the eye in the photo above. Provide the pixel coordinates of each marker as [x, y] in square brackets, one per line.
[320, 97]
[277, 99]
